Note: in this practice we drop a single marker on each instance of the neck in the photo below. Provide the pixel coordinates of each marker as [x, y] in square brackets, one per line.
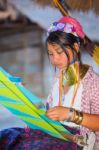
[74, 74]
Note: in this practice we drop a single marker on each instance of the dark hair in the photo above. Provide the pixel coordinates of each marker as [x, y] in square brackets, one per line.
[64, 40]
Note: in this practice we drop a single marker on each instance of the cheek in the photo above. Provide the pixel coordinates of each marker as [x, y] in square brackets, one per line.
[51, 60]
[64, 59]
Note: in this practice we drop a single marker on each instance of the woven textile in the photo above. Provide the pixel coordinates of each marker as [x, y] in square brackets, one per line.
[29, 139]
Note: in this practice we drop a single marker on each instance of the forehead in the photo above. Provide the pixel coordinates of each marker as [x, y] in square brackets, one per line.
[52, 47]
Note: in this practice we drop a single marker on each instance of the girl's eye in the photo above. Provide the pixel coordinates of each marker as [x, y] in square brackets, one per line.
[50, 54]
[58, 51]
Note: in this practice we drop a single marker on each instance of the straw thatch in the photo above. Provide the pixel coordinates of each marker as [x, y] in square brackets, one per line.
[80, 5]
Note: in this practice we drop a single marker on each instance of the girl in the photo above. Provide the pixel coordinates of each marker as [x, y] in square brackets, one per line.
[74, 98]
[75, 94]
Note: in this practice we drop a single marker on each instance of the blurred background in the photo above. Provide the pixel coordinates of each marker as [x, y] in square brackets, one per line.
[23, 25]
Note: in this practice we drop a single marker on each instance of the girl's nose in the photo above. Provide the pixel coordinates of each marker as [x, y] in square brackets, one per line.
[55, 59]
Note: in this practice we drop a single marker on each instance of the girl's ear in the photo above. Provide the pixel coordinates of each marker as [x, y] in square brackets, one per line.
[76, 47]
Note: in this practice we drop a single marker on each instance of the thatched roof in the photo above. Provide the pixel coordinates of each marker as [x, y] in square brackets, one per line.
[80, 5]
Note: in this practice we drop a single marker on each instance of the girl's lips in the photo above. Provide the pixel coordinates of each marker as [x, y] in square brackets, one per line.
[59, 66]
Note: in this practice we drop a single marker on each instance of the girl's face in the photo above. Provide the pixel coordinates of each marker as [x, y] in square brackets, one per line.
[57, 56]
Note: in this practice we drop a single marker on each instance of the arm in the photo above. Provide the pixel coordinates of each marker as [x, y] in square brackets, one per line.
[60, 113]
[91, 121]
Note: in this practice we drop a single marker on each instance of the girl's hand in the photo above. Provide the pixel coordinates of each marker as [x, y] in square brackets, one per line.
[58, 113]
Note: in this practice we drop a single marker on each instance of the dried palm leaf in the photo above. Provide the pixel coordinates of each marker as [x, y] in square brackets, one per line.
[80, 5]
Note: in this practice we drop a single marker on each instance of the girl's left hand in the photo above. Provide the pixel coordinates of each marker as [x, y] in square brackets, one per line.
[58, 113]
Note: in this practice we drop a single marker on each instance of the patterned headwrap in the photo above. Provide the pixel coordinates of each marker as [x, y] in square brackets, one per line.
[68, 25]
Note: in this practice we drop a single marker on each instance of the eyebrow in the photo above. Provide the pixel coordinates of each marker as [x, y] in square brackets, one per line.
[56, 49]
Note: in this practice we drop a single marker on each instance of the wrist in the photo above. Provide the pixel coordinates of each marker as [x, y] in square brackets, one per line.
[74, 116]
[78, 117]
[70, 115]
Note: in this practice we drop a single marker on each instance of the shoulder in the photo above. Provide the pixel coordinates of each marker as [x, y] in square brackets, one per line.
[91, 82]
[91, 91]
[91, 78]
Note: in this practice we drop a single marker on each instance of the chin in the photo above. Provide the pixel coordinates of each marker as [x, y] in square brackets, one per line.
[61, 68]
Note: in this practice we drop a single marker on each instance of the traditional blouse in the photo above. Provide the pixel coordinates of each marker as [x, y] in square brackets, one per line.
[53, 99]
[87, 98]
